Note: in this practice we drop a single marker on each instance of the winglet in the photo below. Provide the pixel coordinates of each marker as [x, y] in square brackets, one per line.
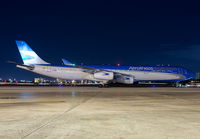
[66, 62]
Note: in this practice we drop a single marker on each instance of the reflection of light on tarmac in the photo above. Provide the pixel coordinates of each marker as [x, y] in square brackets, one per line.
[74, 94]
[26, 95]
[118, 95]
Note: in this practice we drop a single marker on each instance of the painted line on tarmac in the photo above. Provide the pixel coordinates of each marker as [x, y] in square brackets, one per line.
[155, 98]
[58, 116]
[36, 102]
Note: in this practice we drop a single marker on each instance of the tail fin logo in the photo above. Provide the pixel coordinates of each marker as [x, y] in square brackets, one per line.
[27, 57]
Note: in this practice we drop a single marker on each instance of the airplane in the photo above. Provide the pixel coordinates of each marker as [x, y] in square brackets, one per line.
[104, 74]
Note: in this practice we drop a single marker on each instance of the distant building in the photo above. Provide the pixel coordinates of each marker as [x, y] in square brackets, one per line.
[197, 76]
[60, 81]
[38, 80]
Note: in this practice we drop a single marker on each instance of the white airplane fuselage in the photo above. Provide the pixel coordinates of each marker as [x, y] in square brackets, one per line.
[71, 73]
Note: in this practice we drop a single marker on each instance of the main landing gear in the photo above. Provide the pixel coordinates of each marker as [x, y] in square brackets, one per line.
[103, 85]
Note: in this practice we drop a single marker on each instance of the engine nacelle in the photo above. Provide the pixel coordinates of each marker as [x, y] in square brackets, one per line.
[104, 75]
[124, 79]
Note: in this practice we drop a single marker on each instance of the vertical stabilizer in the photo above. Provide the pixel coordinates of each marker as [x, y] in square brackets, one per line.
[29, 57]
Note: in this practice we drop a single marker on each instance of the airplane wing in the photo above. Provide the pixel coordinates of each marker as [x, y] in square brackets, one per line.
[118, 77]
[85, 69]
[90, 69]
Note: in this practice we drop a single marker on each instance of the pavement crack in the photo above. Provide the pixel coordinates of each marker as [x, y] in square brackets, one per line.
[58, 116]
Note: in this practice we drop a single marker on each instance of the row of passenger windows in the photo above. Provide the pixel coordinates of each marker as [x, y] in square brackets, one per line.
[163, 69]
[155, 69]
[58, 69]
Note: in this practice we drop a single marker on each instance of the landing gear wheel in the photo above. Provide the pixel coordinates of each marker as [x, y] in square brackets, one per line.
[103, 86]
[106, 85]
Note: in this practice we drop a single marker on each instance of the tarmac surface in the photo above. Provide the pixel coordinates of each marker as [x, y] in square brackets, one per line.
[90, 112]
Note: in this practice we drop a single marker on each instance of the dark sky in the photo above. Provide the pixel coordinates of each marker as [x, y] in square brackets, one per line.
[101, 32]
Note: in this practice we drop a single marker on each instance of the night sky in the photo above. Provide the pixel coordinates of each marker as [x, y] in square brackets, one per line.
[101, 32]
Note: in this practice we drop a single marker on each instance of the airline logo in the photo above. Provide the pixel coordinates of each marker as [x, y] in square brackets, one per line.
[106, 74]
[27, 55]
[141, 68]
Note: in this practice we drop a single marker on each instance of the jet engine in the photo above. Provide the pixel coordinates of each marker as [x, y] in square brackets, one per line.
[104, 75]
[124, 79]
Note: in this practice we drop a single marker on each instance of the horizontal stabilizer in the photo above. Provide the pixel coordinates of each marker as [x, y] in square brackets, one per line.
[22, 65]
